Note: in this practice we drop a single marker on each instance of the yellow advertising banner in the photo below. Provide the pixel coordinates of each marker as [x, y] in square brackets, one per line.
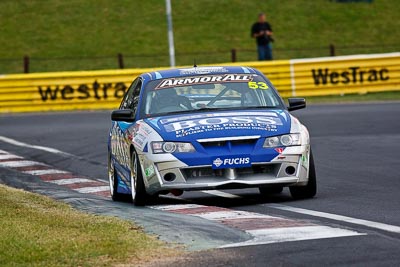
[345, 74]
[89, 90]
[65, 90]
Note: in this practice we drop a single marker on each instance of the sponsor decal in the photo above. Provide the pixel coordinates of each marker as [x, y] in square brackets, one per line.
[195, 126]
[117, 142]
[352, 75]
[217, 162]
[202, 70]
[258, 85]
[149, 171]
[145, 129]
[140, 140]
[220, 114]
[187, 81]
[304, 160]
[279, 150]
[139, 134]
[231, 162]
[95, 91]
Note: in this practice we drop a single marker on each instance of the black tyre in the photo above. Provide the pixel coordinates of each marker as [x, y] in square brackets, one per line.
[309, 190]
[265, 191]
[139, 194]
[112, 178]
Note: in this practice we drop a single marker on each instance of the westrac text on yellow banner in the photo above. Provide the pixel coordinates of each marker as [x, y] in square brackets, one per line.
[346, 74]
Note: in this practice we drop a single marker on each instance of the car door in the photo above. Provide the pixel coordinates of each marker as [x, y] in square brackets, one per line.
[123, 130]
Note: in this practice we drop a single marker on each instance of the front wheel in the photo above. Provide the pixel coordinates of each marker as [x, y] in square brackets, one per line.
[139, 194]
[309, 190]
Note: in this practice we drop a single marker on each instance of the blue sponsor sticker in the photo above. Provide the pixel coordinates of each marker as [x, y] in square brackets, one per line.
[224, 162]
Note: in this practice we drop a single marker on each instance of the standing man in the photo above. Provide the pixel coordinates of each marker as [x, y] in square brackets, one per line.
[262, 31]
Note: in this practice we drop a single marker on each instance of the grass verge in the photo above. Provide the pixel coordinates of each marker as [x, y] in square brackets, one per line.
[38, 231]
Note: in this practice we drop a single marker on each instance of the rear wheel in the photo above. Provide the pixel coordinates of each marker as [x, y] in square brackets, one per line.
[309, 190]
[139, 194]
[113, 180]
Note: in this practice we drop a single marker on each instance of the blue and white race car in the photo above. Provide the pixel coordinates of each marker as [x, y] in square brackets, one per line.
[206, 128]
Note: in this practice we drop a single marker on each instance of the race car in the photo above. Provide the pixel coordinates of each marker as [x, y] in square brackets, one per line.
[206, 128]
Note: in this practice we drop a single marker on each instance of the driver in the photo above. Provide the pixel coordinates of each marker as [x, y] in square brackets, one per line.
[167, 100]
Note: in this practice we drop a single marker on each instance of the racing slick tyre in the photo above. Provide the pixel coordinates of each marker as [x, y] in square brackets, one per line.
[113, 180]
[309, 190]
[139, 194]
[265, 191]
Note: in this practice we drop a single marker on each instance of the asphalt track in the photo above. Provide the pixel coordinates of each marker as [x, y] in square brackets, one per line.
[356, 150]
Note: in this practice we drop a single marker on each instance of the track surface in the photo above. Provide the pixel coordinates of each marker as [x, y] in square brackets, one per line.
[356, 152]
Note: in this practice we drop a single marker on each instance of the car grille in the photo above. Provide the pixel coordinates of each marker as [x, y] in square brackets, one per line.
[243, 146]
[242, 173]
[229, 143]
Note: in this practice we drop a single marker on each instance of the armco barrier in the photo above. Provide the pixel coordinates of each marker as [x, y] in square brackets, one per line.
[87, 90]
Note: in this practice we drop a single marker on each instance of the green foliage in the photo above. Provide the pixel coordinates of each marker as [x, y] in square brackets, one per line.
[95, 31]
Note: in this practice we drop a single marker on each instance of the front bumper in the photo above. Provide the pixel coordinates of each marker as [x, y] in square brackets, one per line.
[171, 175]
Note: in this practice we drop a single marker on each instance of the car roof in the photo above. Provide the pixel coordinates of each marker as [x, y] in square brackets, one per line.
[193, 71]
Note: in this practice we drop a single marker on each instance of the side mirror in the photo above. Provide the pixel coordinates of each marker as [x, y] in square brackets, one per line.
[123, 115]
[296, 103]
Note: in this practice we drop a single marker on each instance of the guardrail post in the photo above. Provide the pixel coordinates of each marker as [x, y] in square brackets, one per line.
[26, 64]
[121, 61]
[332, 50]
[233, 54]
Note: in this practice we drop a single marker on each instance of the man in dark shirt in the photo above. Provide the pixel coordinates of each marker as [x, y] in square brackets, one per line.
[262, 31]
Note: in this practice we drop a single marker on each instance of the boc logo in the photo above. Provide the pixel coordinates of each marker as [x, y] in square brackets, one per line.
[217, 162]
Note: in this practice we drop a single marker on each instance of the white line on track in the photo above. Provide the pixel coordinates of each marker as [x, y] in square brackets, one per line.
[92, 189]
[9, 156]
[176, 207]
[232, 214]
[71, 181]
[276, 235]
[371, 224]
[43, 148]
[42, 172]
[20, 163]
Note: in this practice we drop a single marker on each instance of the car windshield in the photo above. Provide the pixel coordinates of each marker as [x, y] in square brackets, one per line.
[208, 92]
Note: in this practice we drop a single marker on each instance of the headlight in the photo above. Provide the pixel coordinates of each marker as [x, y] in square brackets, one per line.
[171, 147]
[283, 140]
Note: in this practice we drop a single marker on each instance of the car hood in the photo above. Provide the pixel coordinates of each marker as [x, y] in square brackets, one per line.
[189, 127]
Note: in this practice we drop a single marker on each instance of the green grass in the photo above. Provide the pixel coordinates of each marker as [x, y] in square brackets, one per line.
[38, 231]
[204, 30]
